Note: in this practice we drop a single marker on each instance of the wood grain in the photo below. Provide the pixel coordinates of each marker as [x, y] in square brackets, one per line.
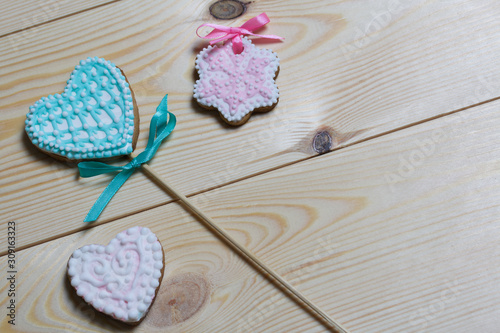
[206, 287]
[396, 234]
[427, 59]
[19, 15]
[381, 253]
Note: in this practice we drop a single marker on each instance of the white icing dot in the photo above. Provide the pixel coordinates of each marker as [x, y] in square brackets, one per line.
[108, 309]
[48, 105]
[75, 282]
[98, 304]
[71, 128]
[151, 238]
[154, 283]
[157, 256]
[77, 254]
[133, 314]
[102, 104]
[80, 292]
[109, 249]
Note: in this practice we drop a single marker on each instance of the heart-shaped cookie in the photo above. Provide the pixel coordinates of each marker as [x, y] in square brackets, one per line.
[95, 117]
[122, 278]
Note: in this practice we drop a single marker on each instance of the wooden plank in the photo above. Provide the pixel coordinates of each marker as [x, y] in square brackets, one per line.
[205, 288]
[19, 15]
[393, 78]
[396, 234]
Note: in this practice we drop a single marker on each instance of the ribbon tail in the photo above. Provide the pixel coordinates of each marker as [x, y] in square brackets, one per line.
[92, 168]
[107, 194]
[256, 22]
[267, 36]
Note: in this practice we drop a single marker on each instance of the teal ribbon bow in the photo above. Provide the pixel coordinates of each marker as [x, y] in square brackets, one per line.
[162, 124]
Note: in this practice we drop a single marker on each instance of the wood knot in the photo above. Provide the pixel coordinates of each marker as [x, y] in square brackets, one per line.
[180, 297]
[322, 142]
[227, 9]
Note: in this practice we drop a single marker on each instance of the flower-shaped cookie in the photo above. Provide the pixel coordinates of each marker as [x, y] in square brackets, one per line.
[237, 84]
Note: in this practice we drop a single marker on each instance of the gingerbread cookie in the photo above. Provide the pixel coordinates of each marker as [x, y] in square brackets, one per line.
[122, 278]
[95, 117]
[237, 84]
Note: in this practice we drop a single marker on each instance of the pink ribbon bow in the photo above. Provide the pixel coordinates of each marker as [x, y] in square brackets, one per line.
[221, 33]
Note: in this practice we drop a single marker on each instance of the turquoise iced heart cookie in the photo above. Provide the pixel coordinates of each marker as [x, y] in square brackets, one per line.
[95, 116]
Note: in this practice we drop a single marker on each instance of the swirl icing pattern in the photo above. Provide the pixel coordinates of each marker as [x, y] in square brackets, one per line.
[119, 279]
[92, 118]
[236, 84]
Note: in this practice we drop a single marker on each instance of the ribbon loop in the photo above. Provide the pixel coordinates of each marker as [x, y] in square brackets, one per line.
[222, 33]
[162, 124]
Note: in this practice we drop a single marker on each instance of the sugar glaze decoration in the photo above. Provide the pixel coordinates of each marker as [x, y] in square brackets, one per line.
[120, 279]
[237, 78]
[92, 118]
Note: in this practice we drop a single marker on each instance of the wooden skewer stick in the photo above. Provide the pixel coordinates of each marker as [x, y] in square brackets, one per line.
[241, 249]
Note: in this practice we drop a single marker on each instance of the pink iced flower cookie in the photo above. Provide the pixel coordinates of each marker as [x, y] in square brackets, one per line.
[237, 84]
[237, 78]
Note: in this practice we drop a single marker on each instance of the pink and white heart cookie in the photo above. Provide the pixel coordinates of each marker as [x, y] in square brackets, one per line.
[237, 84]
[122, 278]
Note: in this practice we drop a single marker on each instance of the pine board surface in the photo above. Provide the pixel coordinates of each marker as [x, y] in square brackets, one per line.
[20, 15]
[404, 243]
[399, 221]
[393, 78]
